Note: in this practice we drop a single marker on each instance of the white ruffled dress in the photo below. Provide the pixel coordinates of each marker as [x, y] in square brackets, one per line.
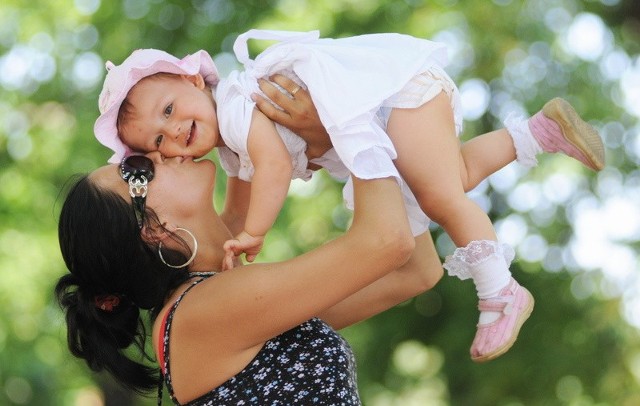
[354, 83]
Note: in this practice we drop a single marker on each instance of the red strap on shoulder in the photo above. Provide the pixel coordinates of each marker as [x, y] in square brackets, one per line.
[160, 354]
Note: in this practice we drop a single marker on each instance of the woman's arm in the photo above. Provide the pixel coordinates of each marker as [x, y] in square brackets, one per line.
[259, 301]
[419, 274]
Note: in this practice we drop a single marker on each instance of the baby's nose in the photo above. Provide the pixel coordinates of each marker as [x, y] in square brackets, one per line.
[172, 129]
[175, 133]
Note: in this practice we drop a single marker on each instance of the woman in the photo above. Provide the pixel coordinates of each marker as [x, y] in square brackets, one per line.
[252, 334]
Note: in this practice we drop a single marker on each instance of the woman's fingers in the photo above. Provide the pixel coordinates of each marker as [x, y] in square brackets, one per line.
[298, 113]
[289, 85]
[271, 111]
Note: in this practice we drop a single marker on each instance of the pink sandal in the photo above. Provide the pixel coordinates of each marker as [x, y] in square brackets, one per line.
[494, 339]
[558, 128]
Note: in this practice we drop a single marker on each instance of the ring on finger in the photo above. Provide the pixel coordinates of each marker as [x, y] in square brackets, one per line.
[295, 90]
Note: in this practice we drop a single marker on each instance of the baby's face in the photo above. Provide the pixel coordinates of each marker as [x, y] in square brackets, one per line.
[173, 115]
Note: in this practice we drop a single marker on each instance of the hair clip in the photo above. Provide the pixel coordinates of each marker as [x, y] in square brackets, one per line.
[106, 302]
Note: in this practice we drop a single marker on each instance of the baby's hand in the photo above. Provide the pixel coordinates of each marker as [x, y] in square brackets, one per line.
[244, 242]
[229, 261]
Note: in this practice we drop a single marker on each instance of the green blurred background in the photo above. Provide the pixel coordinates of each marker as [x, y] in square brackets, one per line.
[576, 233]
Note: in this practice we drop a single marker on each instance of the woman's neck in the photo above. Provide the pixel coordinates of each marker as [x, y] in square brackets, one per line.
[210, 253]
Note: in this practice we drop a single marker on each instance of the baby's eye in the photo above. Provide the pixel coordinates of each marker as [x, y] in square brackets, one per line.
[159, 140]
[168, 110]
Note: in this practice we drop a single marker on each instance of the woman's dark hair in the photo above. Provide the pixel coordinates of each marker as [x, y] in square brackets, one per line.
[103, 249]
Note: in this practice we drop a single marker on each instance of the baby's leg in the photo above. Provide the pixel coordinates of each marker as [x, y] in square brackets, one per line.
[555, 128]
[431, 161]
[484, 155]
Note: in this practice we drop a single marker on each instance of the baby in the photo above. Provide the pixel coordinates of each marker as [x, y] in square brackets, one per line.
[390, 110]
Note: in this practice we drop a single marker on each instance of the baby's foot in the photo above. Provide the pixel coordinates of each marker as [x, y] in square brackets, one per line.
[558, 128]
[515, 304]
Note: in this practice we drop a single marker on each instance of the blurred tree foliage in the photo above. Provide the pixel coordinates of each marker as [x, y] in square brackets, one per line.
[576, 232]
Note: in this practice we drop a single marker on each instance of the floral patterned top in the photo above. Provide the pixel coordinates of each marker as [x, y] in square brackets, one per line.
[311, 364]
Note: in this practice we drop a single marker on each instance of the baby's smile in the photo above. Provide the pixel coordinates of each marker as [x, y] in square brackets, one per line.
[192, 134]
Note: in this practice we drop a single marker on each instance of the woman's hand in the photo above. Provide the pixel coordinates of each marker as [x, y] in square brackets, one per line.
[298, 113]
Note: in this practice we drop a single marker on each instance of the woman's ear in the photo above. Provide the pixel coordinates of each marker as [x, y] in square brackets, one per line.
[197, 80]
[154, 234]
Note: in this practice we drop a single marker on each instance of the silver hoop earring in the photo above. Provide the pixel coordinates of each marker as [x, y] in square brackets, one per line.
[193, 255]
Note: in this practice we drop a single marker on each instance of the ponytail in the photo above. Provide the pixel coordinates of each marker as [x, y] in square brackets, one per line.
[100, 337]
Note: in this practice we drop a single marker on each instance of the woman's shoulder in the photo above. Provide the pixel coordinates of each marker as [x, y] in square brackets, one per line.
[159, 324]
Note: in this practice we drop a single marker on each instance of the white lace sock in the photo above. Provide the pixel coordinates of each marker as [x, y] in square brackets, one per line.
[525, 144]
[486, 262]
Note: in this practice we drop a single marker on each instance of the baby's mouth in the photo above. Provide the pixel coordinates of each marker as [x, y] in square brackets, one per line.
[191, 134]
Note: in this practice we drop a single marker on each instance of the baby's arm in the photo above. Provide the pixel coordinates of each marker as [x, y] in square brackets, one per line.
[269, 186]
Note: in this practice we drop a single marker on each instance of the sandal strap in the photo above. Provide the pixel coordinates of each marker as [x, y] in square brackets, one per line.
[500, 304]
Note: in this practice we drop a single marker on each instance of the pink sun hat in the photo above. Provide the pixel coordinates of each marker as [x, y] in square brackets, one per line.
[120, 79]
